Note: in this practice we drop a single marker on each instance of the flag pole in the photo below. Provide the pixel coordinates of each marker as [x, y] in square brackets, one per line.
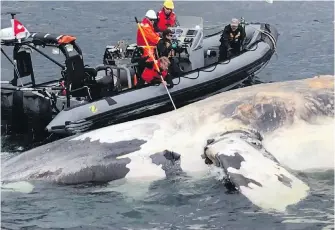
[16, 41]
[155, 63]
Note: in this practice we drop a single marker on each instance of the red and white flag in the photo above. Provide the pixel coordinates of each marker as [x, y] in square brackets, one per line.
[19, 30]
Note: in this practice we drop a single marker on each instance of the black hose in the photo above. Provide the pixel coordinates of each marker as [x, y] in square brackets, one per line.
[200, 70]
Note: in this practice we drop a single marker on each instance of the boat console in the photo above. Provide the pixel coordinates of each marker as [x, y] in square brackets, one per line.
[185, 36]
[189, 49]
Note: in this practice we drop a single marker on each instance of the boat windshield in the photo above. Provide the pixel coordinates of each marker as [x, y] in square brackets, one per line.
[190, 21]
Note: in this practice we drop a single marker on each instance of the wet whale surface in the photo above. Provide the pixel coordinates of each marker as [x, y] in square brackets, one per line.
[162, 145]
[85, 161]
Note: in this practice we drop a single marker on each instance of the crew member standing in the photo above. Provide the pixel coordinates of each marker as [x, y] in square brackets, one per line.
[165, 17]
[150, 35]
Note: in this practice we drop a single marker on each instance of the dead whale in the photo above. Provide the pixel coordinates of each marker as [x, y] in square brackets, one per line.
[158, 146]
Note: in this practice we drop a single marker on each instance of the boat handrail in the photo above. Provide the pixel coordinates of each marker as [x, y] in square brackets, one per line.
[124, 67]
[197, 46]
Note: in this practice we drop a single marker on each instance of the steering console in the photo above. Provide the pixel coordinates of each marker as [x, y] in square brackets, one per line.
[184, 36]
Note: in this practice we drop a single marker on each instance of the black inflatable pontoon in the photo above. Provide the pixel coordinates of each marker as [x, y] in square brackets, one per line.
[94, 101]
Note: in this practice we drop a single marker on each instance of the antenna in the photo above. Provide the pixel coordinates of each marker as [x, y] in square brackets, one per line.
[12, 13]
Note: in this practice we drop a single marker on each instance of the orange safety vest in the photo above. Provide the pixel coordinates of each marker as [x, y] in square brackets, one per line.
[151, 36]
[165, 21]
[149, 74]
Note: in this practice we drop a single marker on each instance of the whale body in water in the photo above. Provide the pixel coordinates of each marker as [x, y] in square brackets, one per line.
[224, 131]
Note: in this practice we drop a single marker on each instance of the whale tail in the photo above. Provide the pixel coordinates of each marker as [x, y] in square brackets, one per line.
[253, 171]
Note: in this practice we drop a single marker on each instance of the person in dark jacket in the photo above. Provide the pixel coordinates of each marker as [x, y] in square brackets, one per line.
[231, 40]
[164, 46]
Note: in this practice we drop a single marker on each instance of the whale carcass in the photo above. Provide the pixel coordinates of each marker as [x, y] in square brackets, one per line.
[158, 146]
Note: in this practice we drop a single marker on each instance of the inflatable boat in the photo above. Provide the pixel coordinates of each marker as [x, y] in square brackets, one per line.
[87, 100]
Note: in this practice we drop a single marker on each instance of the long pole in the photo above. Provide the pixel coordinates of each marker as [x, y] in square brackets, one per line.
[155, 63]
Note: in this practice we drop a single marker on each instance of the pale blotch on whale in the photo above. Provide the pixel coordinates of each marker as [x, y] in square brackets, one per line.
[156, 147]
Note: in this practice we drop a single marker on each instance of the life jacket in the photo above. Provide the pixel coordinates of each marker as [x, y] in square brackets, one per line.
[150, 73]
[151, 36]
[165, 21]
[62, 84]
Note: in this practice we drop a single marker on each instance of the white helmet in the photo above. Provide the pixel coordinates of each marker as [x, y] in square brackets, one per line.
[151, 14]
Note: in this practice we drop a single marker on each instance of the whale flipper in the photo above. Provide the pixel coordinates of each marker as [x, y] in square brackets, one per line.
[257, 176]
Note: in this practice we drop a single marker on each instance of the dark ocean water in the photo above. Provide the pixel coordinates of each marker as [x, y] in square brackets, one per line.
[305, 49]
[305, 46]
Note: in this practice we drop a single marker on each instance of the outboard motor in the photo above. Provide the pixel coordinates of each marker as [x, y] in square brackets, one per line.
[130, 50]
[120, 51]
[111, 53]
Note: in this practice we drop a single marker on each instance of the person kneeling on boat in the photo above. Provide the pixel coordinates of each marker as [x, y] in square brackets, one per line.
[152, 76]
[231, 40]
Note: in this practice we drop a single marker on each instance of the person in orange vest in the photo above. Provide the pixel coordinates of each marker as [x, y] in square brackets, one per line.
[149, 33]
[165, 17]
[151, 75]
